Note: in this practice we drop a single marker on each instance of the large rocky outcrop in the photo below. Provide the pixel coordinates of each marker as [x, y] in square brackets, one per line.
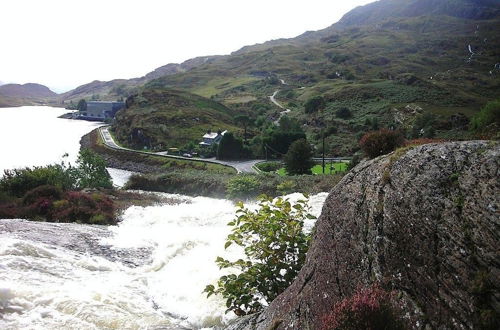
[424, 223]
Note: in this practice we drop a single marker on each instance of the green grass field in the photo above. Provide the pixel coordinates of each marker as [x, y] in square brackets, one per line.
[318, 169]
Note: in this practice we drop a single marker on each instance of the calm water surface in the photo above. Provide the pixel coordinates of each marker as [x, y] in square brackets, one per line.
[32, 136]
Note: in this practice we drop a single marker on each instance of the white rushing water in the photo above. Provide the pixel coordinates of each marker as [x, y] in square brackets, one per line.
[52, 280]
[146, 273]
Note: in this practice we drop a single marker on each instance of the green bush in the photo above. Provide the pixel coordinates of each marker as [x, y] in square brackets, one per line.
[269, 166]
[243, 186]
[489, 114]
[343, 113]
[381, 142]
[424, 126]
[314, 104]
[50, 192]
[19, 181]
[91, 171]
[286, 187]
[275, 249]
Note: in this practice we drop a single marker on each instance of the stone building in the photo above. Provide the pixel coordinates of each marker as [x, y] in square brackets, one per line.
[100, 110]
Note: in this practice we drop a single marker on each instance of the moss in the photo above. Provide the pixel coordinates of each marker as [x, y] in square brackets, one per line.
[386, 177]
[459, 202]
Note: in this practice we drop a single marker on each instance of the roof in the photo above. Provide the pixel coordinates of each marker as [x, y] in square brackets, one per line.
[212, 135]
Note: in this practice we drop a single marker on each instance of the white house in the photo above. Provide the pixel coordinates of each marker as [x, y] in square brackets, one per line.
[210, 138]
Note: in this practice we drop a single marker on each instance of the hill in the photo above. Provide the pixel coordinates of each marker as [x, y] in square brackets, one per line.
[122, 88]
[404, 64]
[379, 11]
[424, 66]
[12, 95]
[163, 118]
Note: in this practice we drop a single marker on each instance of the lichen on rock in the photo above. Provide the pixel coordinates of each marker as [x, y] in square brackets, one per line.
[424, 224]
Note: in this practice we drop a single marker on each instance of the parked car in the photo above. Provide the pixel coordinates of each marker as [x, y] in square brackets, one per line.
[187, 155]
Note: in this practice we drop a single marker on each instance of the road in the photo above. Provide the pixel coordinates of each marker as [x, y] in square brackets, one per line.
[245, 166]
[273, 99]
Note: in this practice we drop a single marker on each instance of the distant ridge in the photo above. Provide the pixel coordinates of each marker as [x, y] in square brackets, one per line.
[15, 95]
[29, 90]
[381, 10]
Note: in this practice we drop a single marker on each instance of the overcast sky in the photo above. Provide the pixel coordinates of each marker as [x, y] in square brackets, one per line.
[66, 43]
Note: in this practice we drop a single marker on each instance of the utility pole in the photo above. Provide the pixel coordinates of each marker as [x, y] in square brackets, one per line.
[323, 152]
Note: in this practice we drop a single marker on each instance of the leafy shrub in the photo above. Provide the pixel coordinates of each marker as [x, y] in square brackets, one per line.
[275, 249]
[242, 186]
[84, 208]
[314, 104]
[269, 166]
[380, 142]
[50, 203]
[50, 192]
[286, 187]
[9, 211]
[489, 114]
[368, 309]
[343, 113]
[330, 130]
[19, 181]
[424, 126]
[91, 171]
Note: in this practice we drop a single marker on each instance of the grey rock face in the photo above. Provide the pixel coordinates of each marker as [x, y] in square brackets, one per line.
[423, 222]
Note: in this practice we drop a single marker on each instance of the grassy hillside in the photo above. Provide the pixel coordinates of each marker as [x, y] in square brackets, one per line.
[164, 118]
[379, 71]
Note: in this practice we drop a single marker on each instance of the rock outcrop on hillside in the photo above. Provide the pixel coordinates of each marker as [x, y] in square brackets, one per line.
[424, 223]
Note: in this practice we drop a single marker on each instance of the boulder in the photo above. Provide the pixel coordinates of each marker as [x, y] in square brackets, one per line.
[422, 222]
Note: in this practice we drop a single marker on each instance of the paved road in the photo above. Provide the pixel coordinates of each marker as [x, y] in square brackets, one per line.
[282, 113]
[246, 166]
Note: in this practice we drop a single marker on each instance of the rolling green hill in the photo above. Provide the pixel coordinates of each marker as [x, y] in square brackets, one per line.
[389, 63]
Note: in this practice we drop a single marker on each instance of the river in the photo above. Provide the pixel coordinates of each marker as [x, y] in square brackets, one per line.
[148, 272]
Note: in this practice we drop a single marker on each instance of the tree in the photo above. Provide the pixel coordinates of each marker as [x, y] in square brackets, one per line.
[279, 138]
[82, 105]
[298, 159]
[229, 147]
[245, 121]
[91, 171]
[314, 104]
[275, 247]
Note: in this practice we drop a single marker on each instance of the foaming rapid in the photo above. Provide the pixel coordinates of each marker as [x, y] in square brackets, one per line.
[147, 272]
